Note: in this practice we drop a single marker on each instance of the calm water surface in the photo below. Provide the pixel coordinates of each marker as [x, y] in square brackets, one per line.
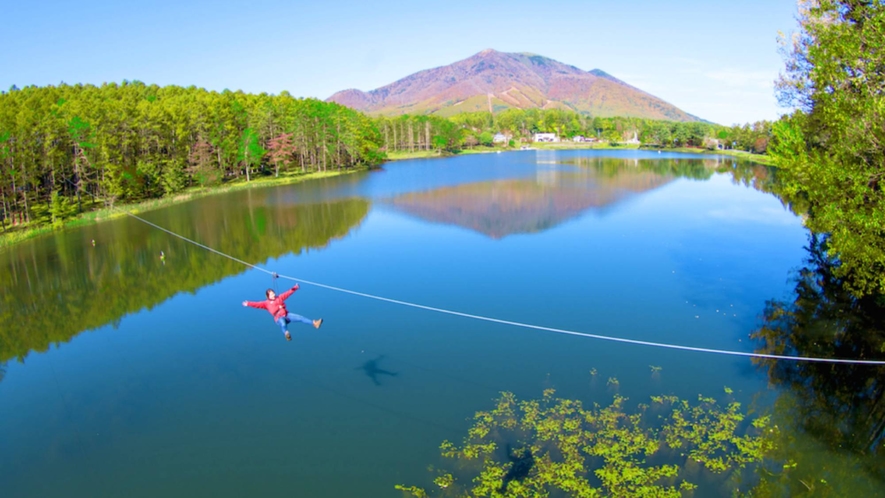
[125, 375]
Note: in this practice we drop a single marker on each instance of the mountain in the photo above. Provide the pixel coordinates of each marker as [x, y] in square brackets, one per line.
[494, 81]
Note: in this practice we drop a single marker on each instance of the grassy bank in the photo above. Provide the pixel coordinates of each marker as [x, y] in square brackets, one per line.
[24, 232]
[425, 154]
[749, 156]
[401, 155]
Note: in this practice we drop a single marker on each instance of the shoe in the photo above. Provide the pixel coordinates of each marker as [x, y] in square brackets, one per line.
[317, 323]
[288, 336]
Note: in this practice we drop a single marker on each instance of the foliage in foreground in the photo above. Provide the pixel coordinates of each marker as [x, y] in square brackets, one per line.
[832, 150]
[557, 447]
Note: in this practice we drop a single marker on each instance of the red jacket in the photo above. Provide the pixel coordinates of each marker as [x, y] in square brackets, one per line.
[277, 306]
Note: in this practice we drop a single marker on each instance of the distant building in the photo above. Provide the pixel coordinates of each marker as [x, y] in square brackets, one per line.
[580, 138]
[545, 137]
[501, 138]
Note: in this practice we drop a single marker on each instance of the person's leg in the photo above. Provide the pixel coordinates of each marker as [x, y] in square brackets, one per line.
[282, 322]
[298, 318]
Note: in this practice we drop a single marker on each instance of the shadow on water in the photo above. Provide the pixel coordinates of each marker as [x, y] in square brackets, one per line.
[373, 371]
[827, 409]
[521, 463]
[443, 374]
[403, 415]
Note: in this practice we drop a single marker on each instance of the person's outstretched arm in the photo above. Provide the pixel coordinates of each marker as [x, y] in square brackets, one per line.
[256, 304]
[289, 292]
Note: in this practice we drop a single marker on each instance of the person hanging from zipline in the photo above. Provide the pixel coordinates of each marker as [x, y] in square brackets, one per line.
[276, 306]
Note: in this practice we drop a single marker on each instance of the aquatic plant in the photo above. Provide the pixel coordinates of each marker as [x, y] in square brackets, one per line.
[555, 446]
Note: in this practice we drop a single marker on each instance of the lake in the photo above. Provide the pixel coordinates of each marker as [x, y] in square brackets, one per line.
[125, 374]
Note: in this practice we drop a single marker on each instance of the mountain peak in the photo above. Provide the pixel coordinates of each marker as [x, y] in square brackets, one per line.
[492, 81]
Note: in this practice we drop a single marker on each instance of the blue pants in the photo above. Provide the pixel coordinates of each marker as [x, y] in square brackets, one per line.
[283, 321]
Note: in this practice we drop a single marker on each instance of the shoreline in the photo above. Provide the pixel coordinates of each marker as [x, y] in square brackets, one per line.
[758, 158]
[15, 236]
[749, 156]
[764, 159]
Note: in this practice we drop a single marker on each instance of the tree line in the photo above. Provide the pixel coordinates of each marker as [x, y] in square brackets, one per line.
[62, 145]
[468, 130]
[419, 132]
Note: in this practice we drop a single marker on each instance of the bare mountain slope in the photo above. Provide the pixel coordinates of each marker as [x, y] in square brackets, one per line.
[492, 80]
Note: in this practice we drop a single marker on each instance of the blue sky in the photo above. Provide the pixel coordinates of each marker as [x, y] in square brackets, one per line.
[714, 59]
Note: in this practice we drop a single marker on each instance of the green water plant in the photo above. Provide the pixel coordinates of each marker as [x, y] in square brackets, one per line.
[558, 447]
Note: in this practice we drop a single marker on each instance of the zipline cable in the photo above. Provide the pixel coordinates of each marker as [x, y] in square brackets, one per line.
[518, 324]
[623, 340]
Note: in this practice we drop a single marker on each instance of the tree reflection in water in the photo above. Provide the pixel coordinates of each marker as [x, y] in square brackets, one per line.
[824, 408]
[52, 289]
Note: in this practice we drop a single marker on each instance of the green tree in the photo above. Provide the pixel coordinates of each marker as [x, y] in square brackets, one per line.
[250, 151]
[61, 208]
[832, 149]
[485, 138]
[202, 163]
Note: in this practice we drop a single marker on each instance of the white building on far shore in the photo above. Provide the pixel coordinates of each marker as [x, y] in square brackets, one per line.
[545, 137]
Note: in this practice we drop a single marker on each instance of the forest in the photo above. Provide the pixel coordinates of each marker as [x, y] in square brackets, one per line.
[63, 146]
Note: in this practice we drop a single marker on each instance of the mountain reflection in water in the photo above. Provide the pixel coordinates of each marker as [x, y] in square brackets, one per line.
[527, 205]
